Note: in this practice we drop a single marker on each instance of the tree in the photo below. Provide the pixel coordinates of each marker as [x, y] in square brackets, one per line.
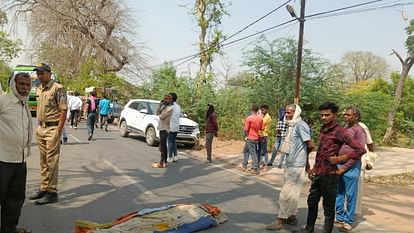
[208, 15]
[363, 66]
[272, 64]
[372, 102]
[9, 49]
[406, 64]
[69, 33]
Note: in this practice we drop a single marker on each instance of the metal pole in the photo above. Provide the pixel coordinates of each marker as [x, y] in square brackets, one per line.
[300, 48]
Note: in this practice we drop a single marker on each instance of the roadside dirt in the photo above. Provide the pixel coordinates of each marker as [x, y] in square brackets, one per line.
[390, 204]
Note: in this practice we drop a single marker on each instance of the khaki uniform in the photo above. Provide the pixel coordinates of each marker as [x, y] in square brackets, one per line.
[51, 101]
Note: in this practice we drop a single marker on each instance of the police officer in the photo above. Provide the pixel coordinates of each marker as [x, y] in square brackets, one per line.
[51, 114]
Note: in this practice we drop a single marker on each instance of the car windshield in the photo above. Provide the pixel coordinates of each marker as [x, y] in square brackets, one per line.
[153, 107]
[35, 83]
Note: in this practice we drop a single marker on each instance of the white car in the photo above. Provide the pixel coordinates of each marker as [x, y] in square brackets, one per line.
[139, 116]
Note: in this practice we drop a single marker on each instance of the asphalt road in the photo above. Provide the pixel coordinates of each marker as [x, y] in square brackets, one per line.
[103, 179]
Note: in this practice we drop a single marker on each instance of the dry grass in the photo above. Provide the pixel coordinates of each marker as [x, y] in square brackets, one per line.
[405, 179]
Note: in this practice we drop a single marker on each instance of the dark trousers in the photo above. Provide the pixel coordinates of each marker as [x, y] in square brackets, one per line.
[163, 146]
[74, 118]
[322, 186]
[262, 150]
[12, 194]
[91, 122]
[103, 119]
[209, 144]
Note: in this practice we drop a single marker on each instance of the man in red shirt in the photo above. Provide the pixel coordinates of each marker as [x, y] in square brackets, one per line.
[324, 174]
[252, 126]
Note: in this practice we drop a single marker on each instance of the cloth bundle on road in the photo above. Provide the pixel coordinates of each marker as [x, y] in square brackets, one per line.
[178, 218]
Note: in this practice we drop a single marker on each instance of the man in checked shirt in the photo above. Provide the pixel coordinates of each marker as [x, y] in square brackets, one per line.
[324, 174]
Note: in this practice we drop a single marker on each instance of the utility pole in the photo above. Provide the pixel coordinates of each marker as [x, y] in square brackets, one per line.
[300, 48]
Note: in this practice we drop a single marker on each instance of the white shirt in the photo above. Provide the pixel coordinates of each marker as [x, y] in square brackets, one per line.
[365, 127]
[74, 103]
[14, 129]
[175, 118]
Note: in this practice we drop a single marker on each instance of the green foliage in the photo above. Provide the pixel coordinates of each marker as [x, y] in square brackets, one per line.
[272, 64]
[409, 43]
[232, 106]
[9, 49]
[374, 107]
[125, 90]
[5, 71]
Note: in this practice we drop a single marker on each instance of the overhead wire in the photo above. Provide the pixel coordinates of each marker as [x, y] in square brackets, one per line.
[233, 34]
[359, 10]
[322, 14]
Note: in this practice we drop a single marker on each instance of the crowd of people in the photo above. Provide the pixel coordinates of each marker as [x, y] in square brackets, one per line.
[335, 175]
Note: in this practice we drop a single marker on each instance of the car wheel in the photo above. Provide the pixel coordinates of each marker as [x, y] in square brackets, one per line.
[150, 136]
[123, 129]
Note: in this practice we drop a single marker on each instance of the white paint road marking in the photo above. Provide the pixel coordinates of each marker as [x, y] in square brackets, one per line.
[131, 180]
[221, 166]
[124, 176]
[75, 138]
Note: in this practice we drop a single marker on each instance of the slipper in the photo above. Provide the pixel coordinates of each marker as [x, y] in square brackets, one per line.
[157, 165]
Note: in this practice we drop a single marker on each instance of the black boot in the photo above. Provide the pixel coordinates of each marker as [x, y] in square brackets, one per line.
[39, 194]
[47, 199]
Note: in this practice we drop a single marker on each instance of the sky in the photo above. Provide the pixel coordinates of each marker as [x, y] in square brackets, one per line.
[168, 32]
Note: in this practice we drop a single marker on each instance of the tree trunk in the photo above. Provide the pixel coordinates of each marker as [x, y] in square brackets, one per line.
[406, 66]
[203, 23]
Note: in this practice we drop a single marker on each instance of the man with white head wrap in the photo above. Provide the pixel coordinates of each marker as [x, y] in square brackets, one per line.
[297, 146]
[15, 140]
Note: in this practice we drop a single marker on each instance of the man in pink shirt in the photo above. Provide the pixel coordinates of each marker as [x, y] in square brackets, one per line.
[253, 124]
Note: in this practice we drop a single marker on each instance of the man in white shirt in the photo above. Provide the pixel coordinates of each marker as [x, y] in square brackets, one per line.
[174, 129]
[16, 132]
[74, 106]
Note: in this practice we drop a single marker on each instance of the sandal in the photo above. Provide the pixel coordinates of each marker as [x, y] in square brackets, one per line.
[241, 168]
[157, 165]
[22, 230]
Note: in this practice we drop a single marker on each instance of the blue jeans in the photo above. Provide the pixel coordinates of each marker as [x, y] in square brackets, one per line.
[172, 144]
[278, 144]
[347, 189]
[250, 149]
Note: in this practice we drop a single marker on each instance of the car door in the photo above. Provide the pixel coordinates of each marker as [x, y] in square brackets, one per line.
[142, 114]
[132, 114]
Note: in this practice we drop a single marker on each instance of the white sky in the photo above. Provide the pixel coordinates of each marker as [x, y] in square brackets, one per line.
[168, 31]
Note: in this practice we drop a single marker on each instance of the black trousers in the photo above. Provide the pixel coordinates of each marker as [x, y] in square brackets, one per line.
[12, 194]
[163, 146]
[74, 117]
[322, 186]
